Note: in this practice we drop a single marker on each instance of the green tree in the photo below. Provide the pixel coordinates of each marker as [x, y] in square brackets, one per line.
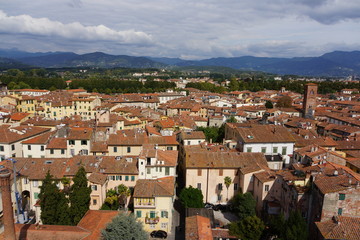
[296, 227]
[269, 104]
[284, 102]
[227, 182]
[191, 197]
[63, 210]
[53, 203]
[124, 226]
[124, 192]
[52, 88]
[250, 228]
[79, 196]
[243, 205]
[48, 200]
[231, 119]
[234, 84]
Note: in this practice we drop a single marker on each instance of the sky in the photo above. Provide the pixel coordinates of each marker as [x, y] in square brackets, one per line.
[195, 29]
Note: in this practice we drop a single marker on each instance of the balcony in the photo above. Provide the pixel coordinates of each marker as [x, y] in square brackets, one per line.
[152, 220]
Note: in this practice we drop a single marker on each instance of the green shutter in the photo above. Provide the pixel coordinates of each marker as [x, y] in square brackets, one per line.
[138, 214]
[341, 196]
[339, 211]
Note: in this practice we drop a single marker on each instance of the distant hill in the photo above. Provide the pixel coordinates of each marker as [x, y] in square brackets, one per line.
[330, 64]
[336, 63]
[6, 63]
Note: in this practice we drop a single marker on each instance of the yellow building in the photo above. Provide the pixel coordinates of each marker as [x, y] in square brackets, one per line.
[153, 203]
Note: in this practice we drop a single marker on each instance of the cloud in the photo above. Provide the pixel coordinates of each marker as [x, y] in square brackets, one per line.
[25, 24]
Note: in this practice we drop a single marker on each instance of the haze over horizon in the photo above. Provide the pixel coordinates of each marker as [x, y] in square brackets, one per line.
[185, 29]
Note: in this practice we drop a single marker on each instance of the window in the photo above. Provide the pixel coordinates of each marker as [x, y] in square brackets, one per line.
[94, 201]
[36, 195]
[283, 152]
[220, 186]
[138, 214]
[341, 196]
[164, 214]
[51, 151]
[29, 156]
[267, 188]
[199, 172]
[339, 211]
[221, 172]
[199, 186]
[71, 142]
[219, 197]
[83, 142]
[252, 178]
[126, 178]
[148, 170]
[1, 148]
[13, 147]
[115, 149]
[35, 183]
[275, 149]
[235, 186]
[249, 149]
[189, 143]
[62, 151]
[167, 171]
[132, 178]
[94, 187]
[152, 214]
[128, 150]
[29, 147]
[164, 225]
[169, 148]
[42, 148]
[26, 181]
[263, 149]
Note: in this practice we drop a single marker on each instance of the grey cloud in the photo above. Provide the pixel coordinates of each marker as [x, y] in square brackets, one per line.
[26, 24]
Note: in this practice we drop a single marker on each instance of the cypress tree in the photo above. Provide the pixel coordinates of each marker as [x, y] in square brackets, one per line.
[48, 200]
[53, 203]
[79, 196]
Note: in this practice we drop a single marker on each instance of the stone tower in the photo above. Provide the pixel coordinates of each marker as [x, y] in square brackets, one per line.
[9, 227]
[309, 103]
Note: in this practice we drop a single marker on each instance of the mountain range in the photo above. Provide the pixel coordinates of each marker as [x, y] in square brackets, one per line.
[337, 63]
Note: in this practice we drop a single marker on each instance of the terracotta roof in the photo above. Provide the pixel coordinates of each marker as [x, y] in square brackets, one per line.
[155, 188]
[19, 116]
[340, 227]
[97, 178]
[96, 220]
[41, 139]
[37, 168]
[57, 143]
[246, 162]
[198, 228]
[192, 135]
[80, 133]
[54, 232]
[265, 134]
[105, 164]
[265, 176]
[10, 135]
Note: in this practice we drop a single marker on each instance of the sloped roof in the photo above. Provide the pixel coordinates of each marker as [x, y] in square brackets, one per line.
[265, 134]
[340, 228]
[163, 187]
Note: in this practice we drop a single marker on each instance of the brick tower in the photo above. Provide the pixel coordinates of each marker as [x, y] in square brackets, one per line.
[9, 226]
[309, 103]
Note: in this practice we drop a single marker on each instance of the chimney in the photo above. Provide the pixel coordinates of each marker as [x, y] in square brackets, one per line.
[9, 226]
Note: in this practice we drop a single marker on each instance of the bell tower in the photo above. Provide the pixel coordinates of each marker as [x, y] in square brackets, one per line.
[309, 103]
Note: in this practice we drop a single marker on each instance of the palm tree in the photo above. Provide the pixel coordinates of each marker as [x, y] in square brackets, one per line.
[124, 192]
[227, 182]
